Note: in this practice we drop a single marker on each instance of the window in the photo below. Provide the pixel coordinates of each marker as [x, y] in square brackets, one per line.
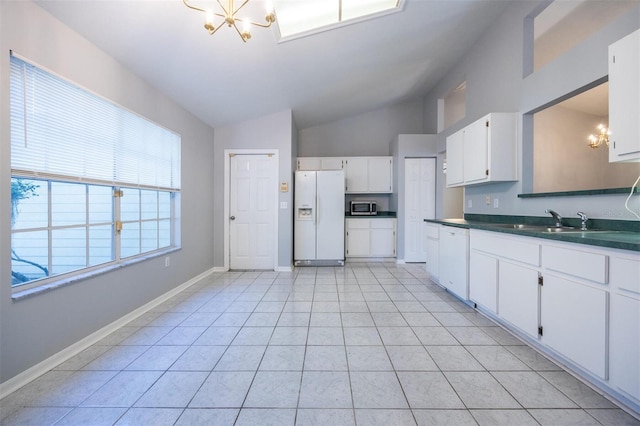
[92, 183]
[301, 18]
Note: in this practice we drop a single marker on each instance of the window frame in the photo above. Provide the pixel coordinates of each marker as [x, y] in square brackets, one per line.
[53, 279]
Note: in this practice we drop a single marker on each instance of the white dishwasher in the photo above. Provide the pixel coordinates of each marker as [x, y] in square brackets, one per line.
[454, 258]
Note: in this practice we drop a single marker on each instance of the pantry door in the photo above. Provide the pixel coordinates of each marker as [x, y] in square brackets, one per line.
[419, 204]
[252, 211]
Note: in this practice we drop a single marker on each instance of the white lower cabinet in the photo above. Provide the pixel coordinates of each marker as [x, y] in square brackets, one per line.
[577, 302]
[483, 280]
[518, 296]
[574, 322]
[454, 260]
[624, 317]
[358, 238]
[370, 237]
[574, 304]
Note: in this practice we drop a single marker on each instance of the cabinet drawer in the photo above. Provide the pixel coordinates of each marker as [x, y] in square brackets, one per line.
[587, 265]
[358, 223]
[508, 248]
[381, 223]
[624, 274]
[433, 232]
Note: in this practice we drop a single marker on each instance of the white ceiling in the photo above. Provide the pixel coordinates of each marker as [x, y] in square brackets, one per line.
[321, 77]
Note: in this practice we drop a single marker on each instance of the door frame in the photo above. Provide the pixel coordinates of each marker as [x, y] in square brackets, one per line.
[228, 153]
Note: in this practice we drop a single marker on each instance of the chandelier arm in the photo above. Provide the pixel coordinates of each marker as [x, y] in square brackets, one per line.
[239, 33]
[227, 12]
[241, 6]
[200, 9]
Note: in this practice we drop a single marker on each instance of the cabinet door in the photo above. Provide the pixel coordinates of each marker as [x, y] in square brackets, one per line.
[358, 238]
[476, 154]
[455, 159]
[331, 163]
[518, 296]
[483, 280]
[356, 175]
[309, 163]
[625, 343]
[574, 321]
[380, 174]
[383, 238]
[624, 98]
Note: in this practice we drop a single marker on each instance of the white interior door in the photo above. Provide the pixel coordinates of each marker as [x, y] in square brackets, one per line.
[252, 198]
[419, 204]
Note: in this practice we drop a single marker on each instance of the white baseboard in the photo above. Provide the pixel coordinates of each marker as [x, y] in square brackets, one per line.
[284, 268]
[39, 369]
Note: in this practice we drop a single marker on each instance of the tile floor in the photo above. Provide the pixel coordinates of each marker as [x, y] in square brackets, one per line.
[367, 344]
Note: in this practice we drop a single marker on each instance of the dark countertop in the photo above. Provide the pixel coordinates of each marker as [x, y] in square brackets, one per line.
[380, 215]
[619, 235]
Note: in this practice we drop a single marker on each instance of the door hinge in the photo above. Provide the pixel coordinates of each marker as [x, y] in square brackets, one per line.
[486, 123]
[614, 59]
[118, 226]
[540, 331]
[486, 172]
[118, 193]
[540, 280]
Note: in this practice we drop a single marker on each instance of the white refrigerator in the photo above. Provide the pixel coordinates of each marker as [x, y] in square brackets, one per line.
[319, 218]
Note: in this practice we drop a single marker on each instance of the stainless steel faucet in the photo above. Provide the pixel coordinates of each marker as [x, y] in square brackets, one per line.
[583, 219]
[556, 217]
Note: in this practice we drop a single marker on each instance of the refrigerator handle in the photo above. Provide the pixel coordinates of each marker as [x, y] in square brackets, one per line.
[317, 210]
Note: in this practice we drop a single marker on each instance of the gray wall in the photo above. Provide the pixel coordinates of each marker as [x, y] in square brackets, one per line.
[495, 83]
[275, 131]
[35, 328]
[362, 135]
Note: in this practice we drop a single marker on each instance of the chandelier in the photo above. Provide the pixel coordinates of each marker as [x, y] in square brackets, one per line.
[229, 17]
[602, 137]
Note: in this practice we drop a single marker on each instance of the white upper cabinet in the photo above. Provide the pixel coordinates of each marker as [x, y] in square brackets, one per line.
[320, 163]
[624, 99]
[484, 151]
[362, 174]
[357, 175]
[455, 159]
[369, 175]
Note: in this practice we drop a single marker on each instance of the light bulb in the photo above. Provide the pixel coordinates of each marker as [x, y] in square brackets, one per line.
[209, 17]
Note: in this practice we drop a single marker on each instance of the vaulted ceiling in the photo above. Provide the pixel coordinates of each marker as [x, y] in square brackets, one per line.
[321, 77]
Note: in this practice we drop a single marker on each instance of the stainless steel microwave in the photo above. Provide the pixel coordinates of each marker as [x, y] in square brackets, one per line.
[364, 208]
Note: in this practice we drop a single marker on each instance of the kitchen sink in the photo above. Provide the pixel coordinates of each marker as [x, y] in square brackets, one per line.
[561, 229]
[521, 226]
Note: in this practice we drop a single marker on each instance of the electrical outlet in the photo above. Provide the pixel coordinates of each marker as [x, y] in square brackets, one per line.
[487, 200]
[495, 203]
[167, 261]
[469, 203]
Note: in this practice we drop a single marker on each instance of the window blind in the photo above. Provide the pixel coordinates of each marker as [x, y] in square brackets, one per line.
[61, 131]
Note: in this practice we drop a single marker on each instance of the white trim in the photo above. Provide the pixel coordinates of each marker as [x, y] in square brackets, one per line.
[227, 183]
[284, 268]
[42, 367]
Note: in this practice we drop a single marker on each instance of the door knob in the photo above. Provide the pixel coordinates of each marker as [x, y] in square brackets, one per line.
[232, 218]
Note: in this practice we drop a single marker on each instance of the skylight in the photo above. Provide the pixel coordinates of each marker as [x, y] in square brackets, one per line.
[297, 18]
